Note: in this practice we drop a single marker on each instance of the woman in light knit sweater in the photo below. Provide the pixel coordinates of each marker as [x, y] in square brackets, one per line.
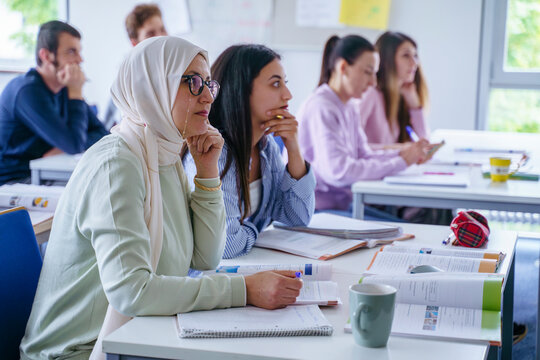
[127, 227]
[330, 133]
[400, 96]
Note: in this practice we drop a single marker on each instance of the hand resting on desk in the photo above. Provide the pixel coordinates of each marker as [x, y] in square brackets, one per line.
[272, 289]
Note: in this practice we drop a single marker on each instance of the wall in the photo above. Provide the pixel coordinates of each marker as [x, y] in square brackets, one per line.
[447, 32]
[448, 37]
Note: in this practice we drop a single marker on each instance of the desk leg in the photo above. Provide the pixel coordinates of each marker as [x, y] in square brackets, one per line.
[508, 314]
[505, 351]
[538, 316]
[358, 206]
[35, 177]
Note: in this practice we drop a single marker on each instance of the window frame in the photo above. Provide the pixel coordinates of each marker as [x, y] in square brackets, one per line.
[491, 74]
[10, 65]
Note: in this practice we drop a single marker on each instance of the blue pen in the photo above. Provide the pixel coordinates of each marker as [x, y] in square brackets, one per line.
[411, 133]
[298, 275]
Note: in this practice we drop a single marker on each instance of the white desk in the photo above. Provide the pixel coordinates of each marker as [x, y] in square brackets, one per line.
[56, 167]
[157, 337]
[513, 195]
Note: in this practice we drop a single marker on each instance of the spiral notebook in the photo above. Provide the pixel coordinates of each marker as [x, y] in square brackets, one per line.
[302, 320]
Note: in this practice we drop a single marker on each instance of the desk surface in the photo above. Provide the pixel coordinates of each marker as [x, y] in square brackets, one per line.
[61, 162]
[485, 140]
[513, 195]
[157, 336]
[480, 189]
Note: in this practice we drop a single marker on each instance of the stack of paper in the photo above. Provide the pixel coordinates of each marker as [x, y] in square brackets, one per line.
[343, 227]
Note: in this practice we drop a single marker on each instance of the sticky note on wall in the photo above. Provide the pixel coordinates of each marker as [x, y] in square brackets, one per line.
[371, 14]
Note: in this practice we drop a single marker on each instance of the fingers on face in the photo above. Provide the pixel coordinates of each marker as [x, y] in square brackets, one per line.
[286, 120]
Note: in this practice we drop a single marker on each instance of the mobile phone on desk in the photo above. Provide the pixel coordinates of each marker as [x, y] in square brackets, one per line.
[434, 149]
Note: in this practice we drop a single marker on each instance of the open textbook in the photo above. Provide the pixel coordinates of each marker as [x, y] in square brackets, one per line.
[40, 201]
[32, 197]
[401, 259]
[444, 251]
[306, 320]
[315, 246]
[447, 305]
[317, 288]
[344, 227]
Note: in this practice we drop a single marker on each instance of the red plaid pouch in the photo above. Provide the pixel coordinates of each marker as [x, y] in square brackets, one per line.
[470, 228]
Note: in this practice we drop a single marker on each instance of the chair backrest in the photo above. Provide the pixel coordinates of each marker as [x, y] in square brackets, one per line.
[20, 266]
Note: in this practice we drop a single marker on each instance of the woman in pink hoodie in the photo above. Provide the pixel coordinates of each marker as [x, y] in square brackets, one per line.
[400, 97]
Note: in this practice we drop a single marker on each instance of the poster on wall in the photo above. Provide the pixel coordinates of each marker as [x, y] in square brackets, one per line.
[318, 13]
[218, 24]
[371, 14]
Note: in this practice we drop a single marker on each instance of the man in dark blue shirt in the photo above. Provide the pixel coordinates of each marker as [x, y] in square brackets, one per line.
[43, 112]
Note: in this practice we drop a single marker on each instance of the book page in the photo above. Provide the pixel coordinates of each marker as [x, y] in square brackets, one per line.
[308, 245]
[385, 262]
[472, 291]
[447, 322]
[32, 197]
[319, 292]
[309, 271]
[443, 251]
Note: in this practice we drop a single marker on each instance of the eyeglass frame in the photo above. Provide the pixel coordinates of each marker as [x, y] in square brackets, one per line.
[204, 82]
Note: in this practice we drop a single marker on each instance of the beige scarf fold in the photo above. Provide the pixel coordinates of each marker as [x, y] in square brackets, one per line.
[145, 90]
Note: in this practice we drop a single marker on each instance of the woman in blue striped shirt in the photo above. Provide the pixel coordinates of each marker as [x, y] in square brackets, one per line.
[257, 186]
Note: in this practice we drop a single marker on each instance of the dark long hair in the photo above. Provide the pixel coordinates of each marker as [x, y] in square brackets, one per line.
[349, 47]
[235, 69]
[395, 107]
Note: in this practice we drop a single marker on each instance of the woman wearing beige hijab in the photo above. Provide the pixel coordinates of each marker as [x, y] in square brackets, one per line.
[127, 228]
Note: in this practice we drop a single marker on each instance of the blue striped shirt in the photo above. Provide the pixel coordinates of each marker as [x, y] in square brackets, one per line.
[284, 198]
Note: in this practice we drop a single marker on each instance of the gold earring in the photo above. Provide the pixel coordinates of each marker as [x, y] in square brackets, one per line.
[185, 122]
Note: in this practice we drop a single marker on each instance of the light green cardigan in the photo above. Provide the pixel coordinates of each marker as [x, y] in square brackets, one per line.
[99, 252]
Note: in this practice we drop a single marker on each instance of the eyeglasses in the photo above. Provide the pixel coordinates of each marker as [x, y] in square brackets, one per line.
[196, 85]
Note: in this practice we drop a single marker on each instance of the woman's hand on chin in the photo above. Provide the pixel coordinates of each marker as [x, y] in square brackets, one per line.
[206, 149]
[410, 94]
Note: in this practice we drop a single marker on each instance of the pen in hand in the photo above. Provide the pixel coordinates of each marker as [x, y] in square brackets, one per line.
[411, 133]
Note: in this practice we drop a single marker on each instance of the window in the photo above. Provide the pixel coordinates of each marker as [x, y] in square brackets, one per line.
[19, 27]
[509, 89]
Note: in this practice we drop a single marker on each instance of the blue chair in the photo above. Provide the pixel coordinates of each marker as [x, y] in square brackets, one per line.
[20, 266]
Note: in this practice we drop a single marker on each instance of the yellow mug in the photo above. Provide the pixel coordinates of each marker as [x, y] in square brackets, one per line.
[500, 168]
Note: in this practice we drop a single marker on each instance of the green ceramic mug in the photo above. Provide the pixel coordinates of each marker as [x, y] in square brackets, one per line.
[371, 309]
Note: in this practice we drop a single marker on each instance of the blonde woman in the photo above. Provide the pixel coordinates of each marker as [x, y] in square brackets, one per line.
[400, 97]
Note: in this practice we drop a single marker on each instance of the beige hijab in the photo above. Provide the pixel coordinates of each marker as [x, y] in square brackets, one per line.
[144, 91]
